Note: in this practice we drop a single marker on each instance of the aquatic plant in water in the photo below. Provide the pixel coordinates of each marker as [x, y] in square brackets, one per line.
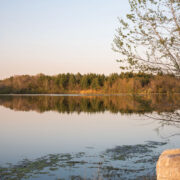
[122, 162]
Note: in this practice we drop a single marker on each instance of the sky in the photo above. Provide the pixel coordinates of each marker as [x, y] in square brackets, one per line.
[58, 36]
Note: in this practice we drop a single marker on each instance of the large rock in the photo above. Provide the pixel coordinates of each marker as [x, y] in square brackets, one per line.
[168, 165]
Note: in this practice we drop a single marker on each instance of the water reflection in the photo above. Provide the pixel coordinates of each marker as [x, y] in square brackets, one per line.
[91, 104]
[86, 137]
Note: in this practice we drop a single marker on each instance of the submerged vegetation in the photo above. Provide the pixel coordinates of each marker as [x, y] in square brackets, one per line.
[134, 162]
[91, 84]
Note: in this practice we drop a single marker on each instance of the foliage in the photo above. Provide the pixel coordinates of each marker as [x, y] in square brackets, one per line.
[148, 39]
[91, 83]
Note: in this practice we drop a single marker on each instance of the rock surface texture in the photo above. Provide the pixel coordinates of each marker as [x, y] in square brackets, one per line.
[168, 165]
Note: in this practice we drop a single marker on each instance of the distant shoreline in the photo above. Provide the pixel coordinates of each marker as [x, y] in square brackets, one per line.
[80, 94]
[91, 84]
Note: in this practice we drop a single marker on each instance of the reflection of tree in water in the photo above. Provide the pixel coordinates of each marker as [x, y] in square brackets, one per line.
[169, 117]
[166, 119]
[160, 108]
[90, 104]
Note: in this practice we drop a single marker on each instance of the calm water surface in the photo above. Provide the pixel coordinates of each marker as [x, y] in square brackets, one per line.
[81, 137]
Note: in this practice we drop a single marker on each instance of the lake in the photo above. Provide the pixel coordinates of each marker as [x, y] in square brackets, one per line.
[86, 137]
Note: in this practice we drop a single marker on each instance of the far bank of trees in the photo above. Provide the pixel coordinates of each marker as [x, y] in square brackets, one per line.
[91, 83]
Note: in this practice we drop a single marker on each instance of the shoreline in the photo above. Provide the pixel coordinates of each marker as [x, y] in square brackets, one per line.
[84, 94]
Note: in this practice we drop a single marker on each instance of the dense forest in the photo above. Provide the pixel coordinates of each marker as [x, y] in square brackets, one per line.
[91, 83]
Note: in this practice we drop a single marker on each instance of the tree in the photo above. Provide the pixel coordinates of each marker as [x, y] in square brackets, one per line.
[148, 39]
[85, 82]
[72, 81]
[95, 83]
[62, 81]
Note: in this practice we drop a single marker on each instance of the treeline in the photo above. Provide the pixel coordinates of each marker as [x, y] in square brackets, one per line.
[91, 83]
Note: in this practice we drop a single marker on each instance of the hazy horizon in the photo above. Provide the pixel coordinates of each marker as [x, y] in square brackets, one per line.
[53, 37]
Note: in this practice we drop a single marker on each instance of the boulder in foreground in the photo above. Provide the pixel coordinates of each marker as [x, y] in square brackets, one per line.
[168, 165]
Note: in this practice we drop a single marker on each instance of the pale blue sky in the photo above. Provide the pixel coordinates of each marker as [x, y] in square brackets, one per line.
[58, 36]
